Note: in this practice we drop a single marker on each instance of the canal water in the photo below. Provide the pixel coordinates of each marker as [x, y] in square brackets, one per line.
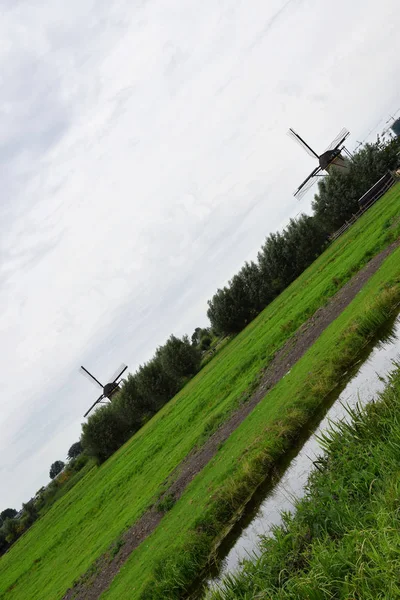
[360, 385]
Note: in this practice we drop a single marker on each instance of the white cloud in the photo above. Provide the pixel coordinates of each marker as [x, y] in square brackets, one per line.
[145, 159]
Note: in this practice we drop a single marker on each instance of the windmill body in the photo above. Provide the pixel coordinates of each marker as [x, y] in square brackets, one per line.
[109, 389]
[335, 158]
[330, 161]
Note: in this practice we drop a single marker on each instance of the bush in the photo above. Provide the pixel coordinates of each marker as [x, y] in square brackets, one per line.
[78, 463]
[205, 342]
[4, 545]
[10, 530]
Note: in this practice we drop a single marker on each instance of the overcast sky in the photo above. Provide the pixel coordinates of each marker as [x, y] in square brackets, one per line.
[144, 158]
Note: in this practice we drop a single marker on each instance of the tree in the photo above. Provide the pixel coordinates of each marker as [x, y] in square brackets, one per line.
[75, 450]
[196, 336]
[3, 542]
[255, 287]
[272, 264]
[30, 512]
[7, 513]
[221, 311]
[304, 240]
[179, 358]
[132, 406]
[56, 468]
[10, 529]
[154, 385]
[233, 307]
[228, 310]
[104, 432]
[205, 342]
[336, 200]
[202, 338]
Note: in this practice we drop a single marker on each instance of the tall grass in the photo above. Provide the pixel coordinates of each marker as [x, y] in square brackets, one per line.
[173, 575]
[343, 542]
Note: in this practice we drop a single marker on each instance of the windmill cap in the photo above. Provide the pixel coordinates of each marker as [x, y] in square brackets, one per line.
[109, 388]
[327, 157]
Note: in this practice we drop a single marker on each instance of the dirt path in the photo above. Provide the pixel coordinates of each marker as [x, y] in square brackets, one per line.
[95, 582]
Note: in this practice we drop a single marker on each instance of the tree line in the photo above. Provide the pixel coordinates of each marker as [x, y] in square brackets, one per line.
[282, 258]
[13, 523]
[286, 254]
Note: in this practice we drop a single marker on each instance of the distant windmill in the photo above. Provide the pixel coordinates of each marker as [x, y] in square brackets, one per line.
[394, 124]
[109, 389]
[329, 160]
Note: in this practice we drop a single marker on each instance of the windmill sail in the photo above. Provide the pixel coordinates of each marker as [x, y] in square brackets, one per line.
[117, 374]
[339, 139]
[307, 183]
[297, 138]
[89, 376]
[99, 399]
[330, 160]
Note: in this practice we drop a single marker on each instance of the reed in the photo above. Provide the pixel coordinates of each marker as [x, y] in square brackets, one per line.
[343, 541]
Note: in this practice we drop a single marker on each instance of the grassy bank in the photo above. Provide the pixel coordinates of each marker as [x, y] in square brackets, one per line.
[343, 541]
[166, 563]
[83, 524]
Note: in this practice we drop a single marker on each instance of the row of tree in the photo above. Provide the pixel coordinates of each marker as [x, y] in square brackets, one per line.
[12, 527]
[58, 466]
[286, 254]
[14, 524]
[282, 258]
[142, 395]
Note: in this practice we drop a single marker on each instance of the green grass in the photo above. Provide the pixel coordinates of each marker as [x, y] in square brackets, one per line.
[53, 494]
[81, 526]
[168, 561]
[343, 541]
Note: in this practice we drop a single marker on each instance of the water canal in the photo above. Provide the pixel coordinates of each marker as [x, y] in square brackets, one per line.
[360, 385]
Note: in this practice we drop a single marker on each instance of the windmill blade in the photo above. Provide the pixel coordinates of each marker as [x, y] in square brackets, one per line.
[89, 376]
[297, 138]
[117, 373]
[99, 399]
[339, 139]
[307, 183]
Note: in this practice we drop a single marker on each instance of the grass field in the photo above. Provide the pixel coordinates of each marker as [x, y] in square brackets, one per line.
[172, 556]
[83, 523]
[344, 540]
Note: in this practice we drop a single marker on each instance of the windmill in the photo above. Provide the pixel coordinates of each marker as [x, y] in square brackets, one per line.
[109, 389]
[329, 160]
